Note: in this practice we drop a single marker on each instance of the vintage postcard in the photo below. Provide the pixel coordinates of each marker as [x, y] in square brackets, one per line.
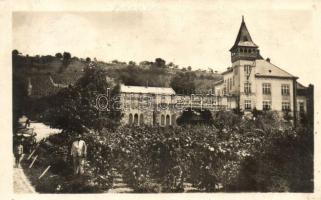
[173, 99]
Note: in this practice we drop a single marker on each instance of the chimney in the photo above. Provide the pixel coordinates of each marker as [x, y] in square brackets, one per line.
[268, 59]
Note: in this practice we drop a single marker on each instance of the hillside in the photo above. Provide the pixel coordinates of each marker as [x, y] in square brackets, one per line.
[46, 74]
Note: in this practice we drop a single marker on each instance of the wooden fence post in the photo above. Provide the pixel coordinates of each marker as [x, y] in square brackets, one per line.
[31, 154]
[34, 159]
[44, 172]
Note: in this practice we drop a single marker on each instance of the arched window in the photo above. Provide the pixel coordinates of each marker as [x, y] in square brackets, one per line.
[141, 119]
[168, 120]
[130, 119]
[173, 120]
[162, 120]
[136, 119]
[241, 50]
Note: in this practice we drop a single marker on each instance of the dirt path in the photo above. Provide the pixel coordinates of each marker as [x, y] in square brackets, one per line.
[20, 182]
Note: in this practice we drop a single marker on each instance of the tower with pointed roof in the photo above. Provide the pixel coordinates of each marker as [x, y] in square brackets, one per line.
[244, 48]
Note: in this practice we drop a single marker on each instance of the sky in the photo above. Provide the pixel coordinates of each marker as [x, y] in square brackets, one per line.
[198, 37]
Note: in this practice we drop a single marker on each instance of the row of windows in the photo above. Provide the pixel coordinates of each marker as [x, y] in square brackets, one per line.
[228, 84]
[135, 120]
[285, 89]
[167, 121]
[266, 105]
[266, 89]
[245, 50]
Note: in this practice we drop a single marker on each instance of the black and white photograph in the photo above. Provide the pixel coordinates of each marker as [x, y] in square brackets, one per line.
[197, 98]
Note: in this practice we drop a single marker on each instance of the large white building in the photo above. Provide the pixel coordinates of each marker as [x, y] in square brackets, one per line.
[253, 82]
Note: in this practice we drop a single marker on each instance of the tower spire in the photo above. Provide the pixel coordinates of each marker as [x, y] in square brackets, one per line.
[244, 47]
[243, 37]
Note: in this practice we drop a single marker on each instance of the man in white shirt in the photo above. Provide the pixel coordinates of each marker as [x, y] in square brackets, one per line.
[78, 153]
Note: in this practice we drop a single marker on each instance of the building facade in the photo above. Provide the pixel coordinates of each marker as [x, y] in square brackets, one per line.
[255, 83]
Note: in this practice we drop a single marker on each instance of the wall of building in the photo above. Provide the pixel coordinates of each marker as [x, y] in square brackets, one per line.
[276, 96]
[240, 79]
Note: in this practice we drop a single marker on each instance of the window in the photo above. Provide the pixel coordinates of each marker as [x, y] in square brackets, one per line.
[301, 107]
[285, 89]
[167, 120]
[130, 119]
[247, 88]
[266, 87]
[162, 120]
[247, 70]
[286, 106]
[230, 83]
[247, 104]
[266, 105]
[136, 119]
[245, 38]
[233, 80]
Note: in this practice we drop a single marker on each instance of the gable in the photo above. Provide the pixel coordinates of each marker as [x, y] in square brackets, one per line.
[265, 68]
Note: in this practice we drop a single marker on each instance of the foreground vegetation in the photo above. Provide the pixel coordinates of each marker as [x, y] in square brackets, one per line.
[246, 155]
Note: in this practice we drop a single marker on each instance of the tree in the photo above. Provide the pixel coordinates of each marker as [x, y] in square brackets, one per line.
[131, 63]
[15, 52]
[88, 59]
[183, 83]
[66, 56]
[160, 63]
[195, 117]
[77, 106]
[58, 55]
[65, 61]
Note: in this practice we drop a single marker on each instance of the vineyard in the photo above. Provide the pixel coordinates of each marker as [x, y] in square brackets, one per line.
[264, 155]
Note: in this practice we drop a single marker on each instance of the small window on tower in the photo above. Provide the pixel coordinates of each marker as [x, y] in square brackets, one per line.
[245, 38]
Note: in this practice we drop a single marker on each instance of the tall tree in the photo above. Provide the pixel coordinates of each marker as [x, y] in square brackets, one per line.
[84, 104]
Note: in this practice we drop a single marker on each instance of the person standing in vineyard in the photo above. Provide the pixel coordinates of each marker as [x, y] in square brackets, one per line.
[19, 153]
[78, 153]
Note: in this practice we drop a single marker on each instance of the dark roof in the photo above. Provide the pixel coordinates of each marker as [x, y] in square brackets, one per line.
[300, 86]
[243, 37]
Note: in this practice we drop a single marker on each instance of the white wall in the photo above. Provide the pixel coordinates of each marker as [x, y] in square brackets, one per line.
[276, 95]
